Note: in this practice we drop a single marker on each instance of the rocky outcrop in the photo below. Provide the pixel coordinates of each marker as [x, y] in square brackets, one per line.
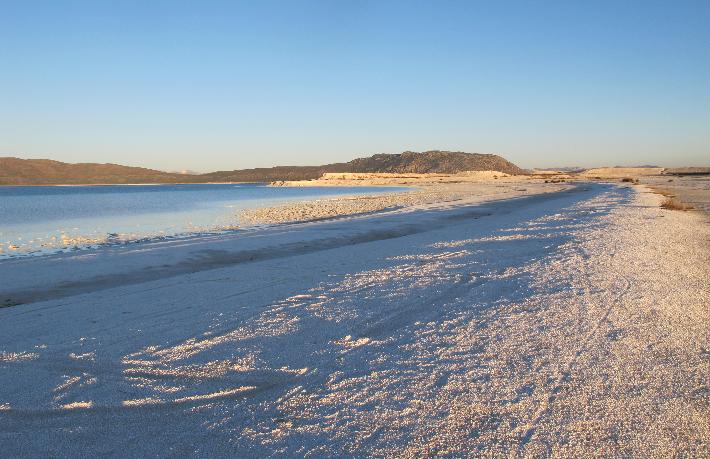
[435, 161]
[428, 162]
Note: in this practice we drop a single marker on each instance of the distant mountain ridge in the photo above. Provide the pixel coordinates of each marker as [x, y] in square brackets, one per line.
[16, 171]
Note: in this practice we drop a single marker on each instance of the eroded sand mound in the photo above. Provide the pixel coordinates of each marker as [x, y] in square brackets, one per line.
[614, 172]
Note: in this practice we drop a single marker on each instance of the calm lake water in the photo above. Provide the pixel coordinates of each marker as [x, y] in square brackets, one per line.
[43, 219]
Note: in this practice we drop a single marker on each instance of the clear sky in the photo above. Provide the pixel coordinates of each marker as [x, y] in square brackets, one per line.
[224, 85]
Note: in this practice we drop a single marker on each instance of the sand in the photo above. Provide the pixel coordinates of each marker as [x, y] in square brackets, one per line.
[566, 324]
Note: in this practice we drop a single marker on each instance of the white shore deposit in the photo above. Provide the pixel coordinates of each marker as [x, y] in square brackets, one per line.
[428, 192]
[387, 178]
[561, 324]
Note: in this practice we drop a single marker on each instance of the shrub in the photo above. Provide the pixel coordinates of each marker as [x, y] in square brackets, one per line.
[675, 204]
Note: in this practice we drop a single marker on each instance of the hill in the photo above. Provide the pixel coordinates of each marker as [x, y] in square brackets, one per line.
[271, 174]
[15, 171]
[436, 161]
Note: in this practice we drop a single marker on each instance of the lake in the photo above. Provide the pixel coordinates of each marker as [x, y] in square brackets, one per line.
[44, 219]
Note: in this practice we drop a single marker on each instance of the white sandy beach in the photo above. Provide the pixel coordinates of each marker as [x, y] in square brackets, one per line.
[569, 323]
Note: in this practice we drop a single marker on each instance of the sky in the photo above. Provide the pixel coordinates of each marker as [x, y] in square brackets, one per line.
[228, 85]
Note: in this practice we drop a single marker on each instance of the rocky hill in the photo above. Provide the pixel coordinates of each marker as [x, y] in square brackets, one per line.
[444, 162]
[436, 161]
[15, 171]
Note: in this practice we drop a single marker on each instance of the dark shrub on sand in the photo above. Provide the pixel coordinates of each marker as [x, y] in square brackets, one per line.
[675, 204]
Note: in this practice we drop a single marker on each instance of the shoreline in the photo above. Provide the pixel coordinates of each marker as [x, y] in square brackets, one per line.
[573, 318]
[422, 195]
[305, 211]
[170, 256]
[75, 240]
[133, 184]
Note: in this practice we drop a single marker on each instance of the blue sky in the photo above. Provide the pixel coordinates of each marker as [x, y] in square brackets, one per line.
[225, 85]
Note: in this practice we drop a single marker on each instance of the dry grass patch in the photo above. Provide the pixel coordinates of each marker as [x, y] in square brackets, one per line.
[671, 202]
[675, 204]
